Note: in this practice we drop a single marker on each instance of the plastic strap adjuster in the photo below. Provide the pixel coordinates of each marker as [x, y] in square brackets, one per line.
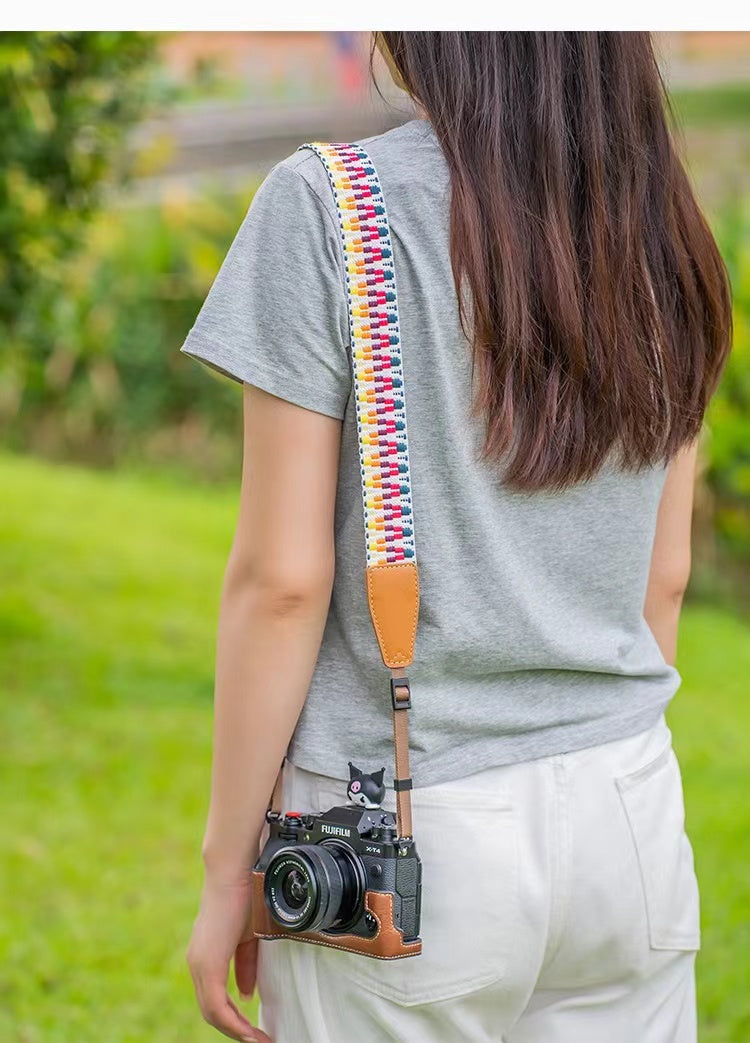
[401, 784]
[400, 704]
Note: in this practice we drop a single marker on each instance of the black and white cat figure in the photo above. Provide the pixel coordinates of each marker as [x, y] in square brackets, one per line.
[365, 791]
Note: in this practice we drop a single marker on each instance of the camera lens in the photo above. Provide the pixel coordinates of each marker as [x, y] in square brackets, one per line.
[295, 889]
[315, 887]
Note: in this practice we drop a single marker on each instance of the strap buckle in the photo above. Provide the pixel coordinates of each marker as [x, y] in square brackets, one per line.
[398, 700]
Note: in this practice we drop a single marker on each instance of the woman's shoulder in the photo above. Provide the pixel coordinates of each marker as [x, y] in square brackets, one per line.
[395, 152]
[413, 134]
[407, 154]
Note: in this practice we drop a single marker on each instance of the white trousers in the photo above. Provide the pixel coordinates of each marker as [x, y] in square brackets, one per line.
[559, 905]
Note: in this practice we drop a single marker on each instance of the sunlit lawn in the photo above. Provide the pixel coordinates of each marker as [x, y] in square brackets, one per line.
[108, 598]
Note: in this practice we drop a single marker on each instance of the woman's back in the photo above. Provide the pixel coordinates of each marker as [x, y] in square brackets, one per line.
[531, 634]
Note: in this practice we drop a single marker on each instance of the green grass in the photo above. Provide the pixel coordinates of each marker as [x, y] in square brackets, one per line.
[108, 604]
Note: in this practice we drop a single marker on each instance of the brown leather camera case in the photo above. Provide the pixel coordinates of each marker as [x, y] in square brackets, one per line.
[386, 944]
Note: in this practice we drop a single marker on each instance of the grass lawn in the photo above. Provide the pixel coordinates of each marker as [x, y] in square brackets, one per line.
[108, 603]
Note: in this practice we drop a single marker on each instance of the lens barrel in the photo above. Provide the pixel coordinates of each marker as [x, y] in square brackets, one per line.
[315, 887]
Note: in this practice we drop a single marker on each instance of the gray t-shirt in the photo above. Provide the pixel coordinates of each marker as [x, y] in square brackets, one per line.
[531, 637]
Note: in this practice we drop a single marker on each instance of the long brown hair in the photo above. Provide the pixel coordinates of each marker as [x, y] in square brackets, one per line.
[599, 307]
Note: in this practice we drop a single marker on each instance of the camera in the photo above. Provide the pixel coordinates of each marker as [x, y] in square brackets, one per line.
[341, 878]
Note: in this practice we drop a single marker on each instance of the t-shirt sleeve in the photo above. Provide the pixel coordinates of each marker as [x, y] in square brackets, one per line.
[276, 315]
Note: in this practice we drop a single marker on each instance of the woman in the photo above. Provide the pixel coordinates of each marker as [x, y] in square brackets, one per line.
[564, 316]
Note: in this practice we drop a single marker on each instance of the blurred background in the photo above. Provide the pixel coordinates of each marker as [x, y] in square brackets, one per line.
[127, 163]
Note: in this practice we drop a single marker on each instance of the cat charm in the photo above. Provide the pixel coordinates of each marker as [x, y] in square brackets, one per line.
[366, 791]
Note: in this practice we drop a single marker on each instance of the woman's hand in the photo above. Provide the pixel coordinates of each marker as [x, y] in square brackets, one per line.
[222, 931]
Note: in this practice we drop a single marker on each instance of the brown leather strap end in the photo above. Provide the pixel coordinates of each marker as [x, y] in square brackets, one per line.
[401, 750]
[393, 596]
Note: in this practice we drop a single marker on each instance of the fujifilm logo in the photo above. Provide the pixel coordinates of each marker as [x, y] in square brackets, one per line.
[338, 831]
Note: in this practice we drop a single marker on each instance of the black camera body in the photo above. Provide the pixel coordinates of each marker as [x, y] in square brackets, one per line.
[342, 877]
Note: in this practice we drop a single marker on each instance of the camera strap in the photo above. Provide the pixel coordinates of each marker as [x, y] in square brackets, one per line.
[391, 576]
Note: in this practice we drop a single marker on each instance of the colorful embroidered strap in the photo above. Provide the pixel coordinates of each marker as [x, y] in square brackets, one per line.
[391, 565]
[376, 352]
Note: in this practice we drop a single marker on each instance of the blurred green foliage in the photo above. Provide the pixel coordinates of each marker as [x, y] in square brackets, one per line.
[67, 100]
[728, 444]
[104, 379]
[722, 103]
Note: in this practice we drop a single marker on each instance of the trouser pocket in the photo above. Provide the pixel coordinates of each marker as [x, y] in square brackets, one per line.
[466, 836]
[653, 801]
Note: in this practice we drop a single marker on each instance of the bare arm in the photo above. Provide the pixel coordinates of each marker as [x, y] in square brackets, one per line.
[670, 559]
[274, 603]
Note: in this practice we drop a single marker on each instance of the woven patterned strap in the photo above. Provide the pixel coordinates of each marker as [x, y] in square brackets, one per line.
[376, 352]
[391, 566]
